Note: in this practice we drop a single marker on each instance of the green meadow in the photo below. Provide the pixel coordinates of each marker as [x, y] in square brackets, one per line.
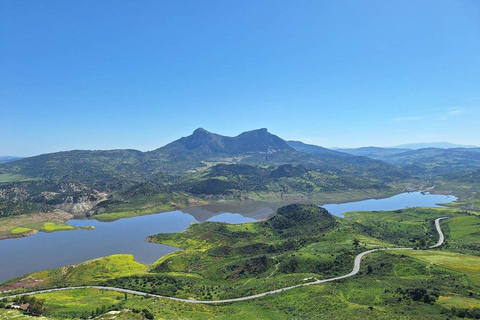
[17, 315]
[52, 227]
[74, 302]
[92, 271]
[467, 264]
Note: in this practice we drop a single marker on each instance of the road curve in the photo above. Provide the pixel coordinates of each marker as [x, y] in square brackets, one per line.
[356, 269]
[440, 233]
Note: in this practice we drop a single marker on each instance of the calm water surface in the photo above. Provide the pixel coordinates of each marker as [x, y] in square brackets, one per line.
[400, 201]
[53, 250]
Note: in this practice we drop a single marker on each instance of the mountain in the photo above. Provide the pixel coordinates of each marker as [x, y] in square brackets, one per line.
[207, 143]
[356, 163]
[114, 168]
[5, 159]
[374, 152]
[203, 163]
[101, 169]
[315, 150]
[259, 147]
[437, 161]
[111, 168]
[192, 152]
[439, 145]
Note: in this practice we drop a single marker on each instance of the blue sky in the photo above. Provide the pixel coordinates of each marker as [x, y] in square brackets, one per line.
[139, 74]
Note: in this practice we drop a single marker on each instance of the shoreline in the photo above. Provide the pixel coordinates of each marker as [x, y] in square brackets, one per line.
[269, 199]
[275, 199]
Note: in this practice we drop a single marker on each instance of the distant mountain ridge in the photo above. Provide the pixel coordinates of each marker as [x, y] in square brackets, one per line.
[374, 152]
[315, 150]
[438, 161]
[4, 159]
[437, 145]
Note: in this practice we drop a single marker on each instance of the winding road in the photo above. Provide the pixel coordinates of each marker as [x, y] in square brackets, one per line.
[440, 233]
[356, 269]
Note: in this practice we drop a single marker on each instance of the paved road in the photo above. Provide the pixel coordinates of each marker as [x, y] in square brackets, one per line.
[356, 269]
[440, 233]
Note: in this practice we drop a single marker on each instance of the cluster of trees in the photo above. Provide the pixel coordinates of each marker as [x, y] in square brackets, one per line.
[147, 314]
[257, 248]
[473, 313]
[229, 178]
[35, 307]
[101, 310]
[419, 294]
[398, 233]
[301, 220]
[11, 208]
[155, 283]
[248, 267]
[328, 266]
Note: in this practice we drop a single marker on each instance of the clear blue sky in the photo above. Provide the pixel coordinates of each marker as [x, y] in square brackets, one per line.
[139, 74]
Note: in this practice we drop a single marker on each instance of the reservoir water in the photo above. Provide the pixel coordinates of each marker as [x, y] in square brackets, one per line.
[53, 250]
[399, 201]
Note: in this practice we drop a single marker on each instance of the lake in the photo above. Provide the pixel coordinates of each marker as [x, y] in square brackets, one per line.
[53, 250]
[399, 201]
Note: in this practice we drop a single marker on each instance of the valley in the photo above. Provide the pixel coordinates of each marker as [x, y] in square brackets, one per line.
[244, 212]
[193, 171]
[239, 160]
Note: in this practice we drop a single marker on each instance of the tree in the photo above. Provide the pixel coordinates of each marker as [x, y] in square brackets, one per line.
[36, 308]
[356, 242]
[148, 314]
[422, 243]
[369, 269]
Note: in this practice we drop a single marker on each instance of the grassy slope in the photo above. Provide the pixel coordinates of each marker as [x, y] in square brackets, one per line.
[94, 270]
[470, 204]
[79, 301]
[469, 265]
[8, 177]
[401, 227]
[464, 185]
[17, 315]
[141, 200]
[464, 234]
[89, 272]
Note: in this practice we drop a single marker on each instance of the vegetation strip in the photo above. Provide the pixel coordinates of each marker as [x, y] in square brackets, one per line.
[356, 269]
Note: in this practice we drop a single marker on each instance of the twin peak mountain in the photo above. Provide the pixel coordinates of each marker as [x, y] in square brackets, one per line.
[205, 142]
